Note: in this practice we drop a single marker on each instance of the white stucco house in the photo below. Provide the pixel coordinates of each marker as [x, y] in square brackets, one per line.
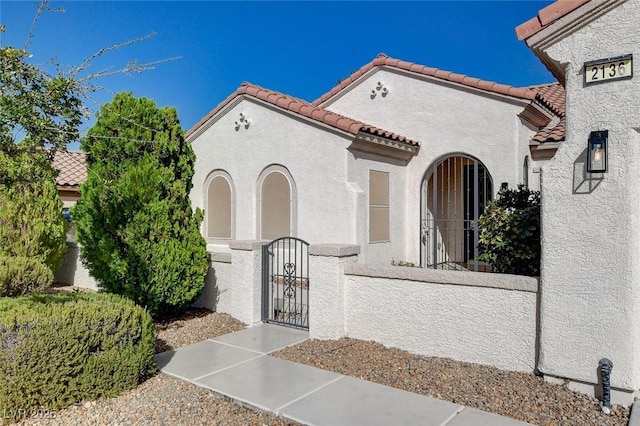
[372, 161]
[397, 162]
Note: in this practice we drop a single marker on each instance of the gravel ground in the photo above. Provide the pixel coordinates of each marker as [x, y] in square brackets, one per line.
[517, 395]
[163, 400]
[193, 327]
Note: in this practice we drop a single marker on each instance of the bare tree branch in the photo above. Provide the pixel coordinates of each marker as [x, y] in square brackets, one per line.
[42, 7]
[87, 62]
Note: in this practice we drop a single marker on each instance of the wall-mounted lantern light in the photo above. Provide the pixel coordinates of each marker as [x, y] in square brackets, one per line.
[597, 152]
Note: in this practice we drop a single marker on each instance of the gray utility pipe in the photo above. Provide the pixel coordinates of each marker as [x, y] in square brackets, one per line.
[605, 372]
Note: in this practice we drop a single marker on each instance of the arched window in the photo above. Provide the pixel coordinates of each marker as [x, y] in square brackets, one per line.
[277, 203]
[219, 206]
[455, 190]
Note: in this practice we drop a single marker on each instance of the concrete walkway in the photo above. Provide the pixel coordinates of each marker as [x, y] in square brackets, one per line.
[237, 365]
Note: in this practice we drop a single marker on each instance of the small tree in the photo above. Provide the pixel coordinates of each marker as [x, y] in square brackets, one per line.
[510, 232]
[41, 109]
[31, 221]
[44, 113]
[139, 235]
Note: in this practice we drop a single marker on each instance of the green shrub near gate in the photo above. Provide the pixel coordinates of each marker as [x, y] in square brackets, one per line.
[510, 232]
[60, 349]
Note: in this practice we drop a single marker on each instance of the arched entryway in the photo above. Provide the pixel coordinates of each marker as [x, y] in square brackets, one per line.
[454, 192]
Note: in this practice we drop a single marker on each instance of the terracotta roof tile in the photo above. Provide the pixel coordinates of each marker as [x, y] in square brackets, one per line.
[72, 168]
[384, 60]
[554, 134]
[552, 96]
[547, 16]
[303, 108]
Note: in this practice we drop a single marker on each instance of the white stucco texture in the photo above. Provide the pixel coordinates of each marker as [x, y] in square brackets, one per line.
[326, 295]
[72, 271]
[490, 324]
[590, 297]
[313, 155]
[332, 182]
[446, 118]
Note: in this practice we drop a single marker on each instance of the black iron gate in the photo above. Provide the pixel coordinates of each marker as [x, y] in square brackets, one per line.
[455, 191]
[285, 282]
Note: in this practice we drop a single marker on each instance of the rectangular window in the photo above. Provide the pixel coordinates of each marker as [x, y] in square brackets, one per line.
[378, 206]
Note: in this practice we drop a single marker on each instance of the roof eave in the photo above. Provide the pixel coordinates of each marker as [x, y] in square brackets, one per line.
[211, 118]
[543, 150]
[67, 187]
[549, 30]
[389, 148]
[537, 115]
[435, 74]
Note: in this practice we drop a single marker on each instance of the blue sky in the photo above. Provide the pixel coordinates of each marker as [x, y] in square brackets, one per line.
[299, 48]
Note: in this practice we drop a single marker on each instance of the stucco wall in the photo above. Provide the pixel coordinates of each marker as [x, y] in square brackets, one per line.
[446, 119]
[72, 271]
[590, 276]
[327, 318]
[217, 294]
[483, 318]
[383, 252]
[314, 156]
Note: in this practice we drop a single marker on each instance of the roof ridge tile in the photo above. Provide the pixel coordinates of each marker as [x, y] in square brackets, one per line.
[382, 60]
[301, 107]
[547, 16]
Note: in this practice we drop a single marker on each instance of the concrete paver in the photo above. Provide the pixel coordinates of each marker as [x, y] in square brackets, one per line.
[471, 416]
[238, 365]
[268, 382]
[352, 401]
[255, 338]
[202, 358]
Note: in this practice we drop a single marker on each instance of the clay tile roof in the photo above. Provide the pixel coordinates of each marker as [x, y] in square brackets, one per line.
[553, 134]
[553, 97]
[71, 166]
[305, 109]
[547, 16]
[384, 60]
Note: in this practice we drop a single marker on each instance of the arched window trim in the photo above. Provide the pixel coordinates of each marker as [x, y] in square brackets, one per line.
[293, 198]
[425, 196]
[205, 223]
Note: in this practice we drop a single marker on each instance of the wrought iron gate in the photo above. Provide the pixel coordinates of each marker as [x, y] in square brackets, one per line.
[285, 282]
[455, 191]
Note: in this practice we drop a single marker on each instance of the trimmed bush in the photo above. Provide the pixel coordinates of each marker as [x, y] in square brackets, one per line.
[510, 232]
[60, 349]
[23, 275]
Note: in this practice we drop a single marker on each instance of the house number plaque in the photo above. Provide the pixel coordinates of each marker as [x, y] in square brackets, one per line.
[617, 68]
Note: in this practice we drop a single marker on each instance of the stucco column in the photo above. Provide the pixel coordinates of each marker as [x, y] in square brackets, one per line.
[244, 300]
[326, 289]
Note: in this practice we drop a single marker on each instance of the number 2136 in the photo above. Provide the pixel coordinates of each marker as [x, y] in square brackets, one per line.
[611, 70]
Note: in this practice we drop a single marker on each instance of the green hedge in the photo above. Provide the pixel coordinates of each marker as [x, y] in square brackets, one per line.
[23, 275]
[510, 232]
[60, 349]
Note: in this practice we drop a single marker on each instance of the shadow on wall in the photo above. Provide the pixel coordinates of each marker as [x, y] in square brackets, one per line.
[210, 293]
[583, 182]
[66, 274]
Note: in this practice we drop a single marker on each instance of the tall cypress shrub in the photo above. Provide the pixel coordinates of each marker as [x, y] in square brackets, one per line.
[31, 221]
[140, 237]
